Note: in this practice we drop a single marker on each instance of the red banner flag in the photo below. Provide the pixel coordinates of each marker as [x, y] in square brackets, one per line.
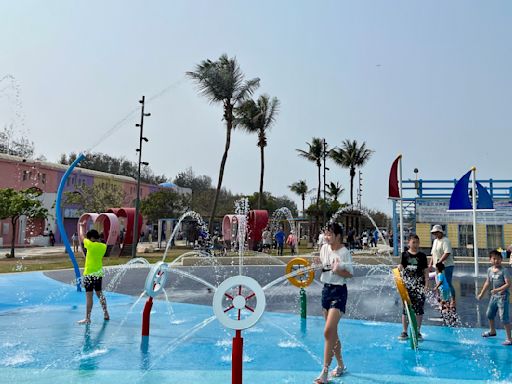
[394, 191]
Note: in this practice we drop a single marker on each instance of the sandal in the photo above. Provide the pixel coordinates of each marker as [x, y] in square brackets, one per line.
[338, 371]
[488, 334]
[403, 336]
[507, 342]
[322, 378]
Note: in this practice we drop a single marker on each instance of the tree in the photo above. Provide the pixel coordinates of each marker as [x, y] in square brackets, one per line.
[273, 203]
[258, 117]
[14, 204]
[382, 219]
[201, 202]
[300, 188]
[21, 147]
[97, 198]
[285, 201]
[203, 193]
[222, 81]
[329, 206]
[334, 190]
[164, 203]
[115, 166]
[314, 154]
[351, 156]
[148, 176]
[226, 203]
[188, 179]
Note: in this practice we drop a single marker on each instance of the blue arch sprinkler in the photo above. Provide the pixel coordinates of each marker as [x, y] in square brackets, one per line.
[60, 220]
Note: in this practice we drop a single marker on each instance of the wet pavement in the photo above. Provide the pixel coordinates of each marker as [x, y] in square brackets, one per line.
[372, 294]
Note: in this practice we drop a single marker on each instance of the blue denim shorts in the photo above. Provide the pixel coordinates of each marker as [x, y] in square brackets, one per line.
[446, 294]
[498, 303]
[334, 296]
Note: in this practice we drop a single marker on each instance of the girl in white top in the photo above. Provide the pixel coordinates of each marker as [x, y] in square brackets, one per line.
[337, 268]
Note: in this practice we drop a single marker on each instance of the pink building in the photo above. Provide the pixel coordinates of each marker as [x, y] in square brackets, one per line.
[19, 173]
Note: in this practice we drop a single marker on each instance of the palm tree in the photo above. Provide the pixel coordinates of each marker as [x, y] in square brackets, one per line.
[257, 117]
[314, 154]
[222, 81]
[334, 190]
[300, 188]
[351, 156]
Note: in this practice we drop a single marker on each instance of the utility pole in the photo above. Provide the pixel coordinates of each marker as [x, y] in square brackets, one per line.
[325, 169]
[416, 183]
[360, 190]
[137, 200]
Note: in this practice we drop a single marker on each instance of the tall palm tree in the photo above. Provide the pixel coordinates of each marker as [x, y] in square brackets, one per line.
[334, 190]
[314, 154]
[257, 117]
[222, 81]
[300, 188]
[351, 156]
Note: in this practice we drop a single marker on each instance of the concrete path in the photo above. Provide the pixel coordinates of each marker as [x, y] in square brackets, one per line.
[28, 252]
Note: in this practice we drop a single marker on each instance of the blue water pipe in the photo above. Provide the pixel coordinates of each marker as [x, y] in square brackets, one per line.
[60, 220]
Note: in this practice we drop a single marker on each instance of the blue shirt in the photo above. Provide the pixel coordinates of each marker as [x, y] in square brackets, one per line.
[279, 236]
[444, 283]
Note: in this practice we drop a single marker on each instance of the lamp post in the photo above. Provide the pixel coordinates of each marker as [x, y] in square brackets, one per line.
[360, 190]
[324, 155]
[416, 184]
[140, 162]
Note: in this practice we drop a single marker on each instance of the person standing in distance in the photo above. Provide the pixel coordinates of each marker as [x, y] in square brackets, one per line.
[442, 253]
[279, 237]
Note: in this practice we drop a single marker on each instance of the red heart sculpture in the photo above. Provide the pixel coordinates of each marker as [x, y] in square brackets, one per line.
[109, 221]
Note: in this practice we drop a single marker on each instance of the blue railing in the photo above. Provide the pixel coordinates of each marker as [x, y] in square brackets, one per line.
[498, 189]
[441, 189]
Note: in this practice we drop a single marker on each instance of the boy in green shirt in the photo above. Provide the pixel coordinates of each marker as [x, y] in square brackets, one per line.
[93, 273]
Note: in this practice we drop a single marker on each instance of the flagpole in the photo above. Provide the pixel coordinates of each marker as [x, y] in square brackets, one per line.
[401, 207]
[475, 235]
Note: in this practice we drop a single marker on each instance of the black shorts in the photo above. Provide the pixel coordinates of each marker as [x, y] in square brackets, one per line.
[417, 301]
[334, 296]
[92, 283]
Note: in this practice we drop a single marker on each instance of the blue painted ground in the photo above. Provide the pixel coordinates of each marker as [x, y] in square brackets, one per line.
[40, 342]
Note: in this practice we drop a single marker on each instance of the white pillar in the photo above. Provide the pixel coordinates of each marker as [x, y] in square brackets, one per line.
[475, 234]
[401, 208]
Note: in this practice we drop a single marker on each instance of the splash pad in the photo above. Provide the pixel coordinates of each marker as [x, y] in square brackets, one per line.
[188, 343]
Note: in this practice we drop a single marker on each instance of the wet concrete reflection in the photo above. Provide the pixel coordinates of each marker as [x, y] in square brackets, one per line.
[372, 293]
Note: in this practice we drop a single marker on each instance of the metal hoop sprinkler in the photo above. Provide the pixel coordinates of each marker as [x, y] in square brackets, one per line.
[155, 283]
[246, 290]
[301, 280]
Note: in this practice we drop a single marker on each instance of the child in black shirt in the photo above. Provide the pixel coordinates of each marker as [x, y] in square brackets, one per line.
[414, 268]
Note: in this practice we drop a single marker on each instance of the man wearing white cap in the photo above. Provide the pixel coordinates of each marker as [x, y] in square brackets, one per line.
[442, 253]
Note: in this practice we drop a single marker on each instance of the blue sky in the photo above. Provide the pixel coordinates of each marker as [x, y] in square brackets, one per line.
[430, 80]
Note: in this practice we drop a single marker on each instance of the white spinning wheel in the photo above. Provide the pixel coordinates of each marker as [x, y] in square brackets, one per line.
[156, 279]
[240, 292]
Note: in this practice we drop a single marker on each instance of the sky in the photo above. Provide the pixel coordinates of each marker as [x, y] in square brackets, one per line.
[431, 80]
